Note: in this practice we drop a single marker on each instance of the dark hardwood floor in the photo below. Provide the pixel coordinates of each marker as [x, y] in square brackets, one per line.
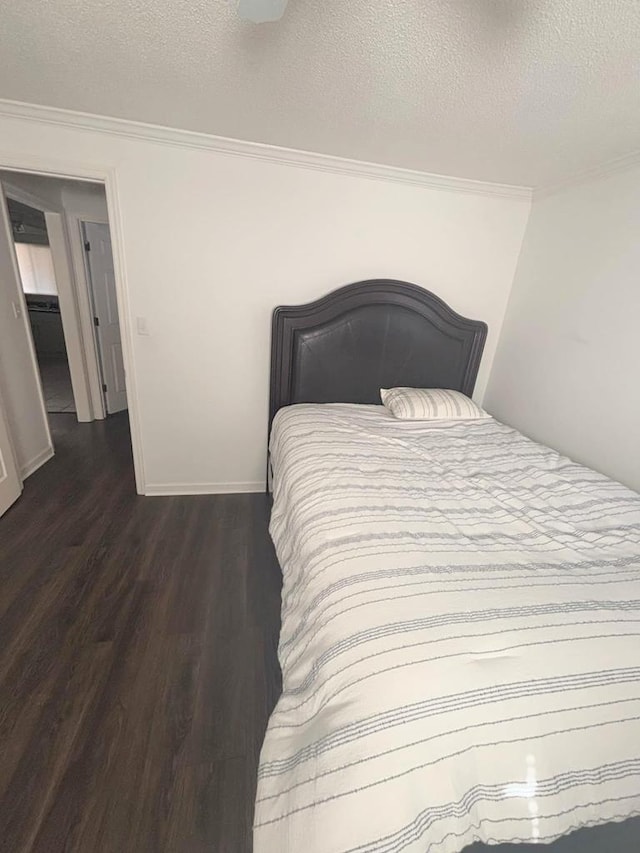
[137, 657]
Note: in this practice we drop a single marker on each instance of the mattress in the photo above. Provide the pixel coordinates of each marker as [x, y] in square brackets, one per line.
[460, 640]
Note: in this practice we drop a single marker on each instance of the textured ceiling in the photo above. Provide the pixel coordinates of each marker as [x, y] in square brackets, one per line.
[516, 91]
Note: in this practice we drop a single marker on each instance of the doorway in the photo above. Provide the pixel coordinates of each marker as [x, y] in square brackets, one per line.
[61, 354]
[37, 275]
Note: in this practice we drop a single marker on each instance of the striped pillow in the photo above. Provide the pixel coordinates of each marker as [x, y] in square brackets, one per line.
[430, 404]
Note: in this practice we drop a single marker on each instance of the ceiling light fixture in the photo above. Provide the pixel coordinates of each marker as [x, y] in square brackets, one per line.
[261, 11]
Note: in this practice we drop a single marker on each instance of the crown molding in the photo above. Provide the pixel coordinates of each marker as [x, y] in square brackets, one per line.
[593, 173]
[254, 150]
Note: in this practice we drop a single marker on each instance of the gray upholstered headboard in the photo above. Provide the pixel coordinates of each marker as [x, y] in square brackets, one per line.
[373, 334]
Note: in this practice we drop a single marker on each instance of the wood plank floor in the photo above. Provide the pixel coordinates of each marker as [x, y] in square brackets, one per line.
[137, 657]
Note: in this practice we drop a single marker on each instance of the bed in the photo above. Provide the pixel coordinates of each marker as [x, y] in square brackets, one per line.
[460, 638]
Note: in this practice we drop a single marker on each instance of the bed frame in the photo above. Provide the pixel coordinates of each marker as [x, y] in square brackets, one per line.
[383, 333]
[373, 334]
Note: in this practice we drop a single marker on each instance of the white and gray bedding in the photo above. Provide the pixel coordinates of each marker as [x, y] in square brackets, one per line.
[460, 639]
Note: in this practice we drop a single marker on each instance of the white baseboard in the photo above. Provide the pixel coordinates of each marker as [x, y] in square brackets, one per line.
[203, 488]
[32, 465]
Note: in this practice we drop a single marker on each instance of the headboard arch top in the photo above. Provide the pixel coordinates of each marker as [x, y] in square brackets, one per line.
[345, 346]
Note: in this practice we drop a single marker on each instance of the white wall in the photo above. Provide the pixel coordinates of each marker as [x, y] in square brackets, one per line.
[80, 198]
[566, 371]
[212, 242]
[84, 200]
[44, 189]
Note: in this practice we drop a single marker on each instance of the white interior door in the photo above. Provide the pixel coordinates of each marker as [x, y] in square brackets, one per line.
[105, 307]
[10, 484]
[22, 400]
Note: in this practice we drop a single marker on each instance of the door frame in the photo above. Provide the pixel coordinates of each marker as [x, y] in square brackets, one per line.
[70, 286]
[8, 461]
[81, 222]
[55, 168]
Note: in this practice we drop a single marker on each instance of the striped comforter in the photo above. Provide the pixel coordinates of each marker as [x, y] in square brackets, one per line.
[460, 638]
